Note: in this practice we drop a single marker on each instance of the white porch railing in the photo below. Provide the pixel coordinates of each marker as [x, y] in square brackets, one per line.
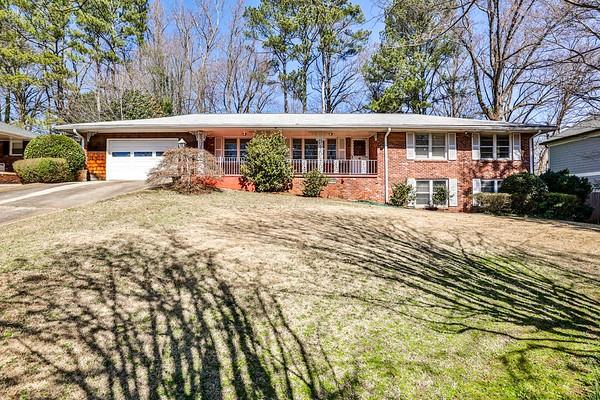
[231, 166]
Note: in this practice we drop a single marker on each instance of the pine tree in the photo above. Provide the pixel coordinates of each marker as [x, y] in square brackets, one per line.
[403, 73]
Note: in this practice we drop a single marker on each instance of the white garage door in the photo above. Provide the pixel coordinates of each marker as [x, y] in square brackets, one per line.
[132, 159]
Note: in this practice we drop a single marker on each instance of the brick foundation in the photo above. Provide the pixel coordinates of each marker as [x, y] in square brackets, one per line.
[347, 188]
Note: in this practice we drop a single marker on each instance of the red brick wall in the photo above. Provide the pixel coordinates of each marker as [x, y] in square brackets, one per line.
[348, 188]
[96, 164]
[463, 168]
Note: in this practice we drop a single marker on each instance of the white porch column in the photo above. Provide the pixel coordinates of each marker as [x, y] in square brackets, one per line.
[200, 138]
[320, 153]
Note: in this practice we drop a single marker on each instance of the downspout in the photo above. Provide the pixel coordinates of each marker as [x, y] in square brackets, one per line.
[82, 138]
[386, 165]
[532, 152]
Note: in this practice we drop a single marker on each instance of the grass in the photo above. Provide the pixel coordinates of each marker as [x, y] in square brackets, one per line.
[245, 296]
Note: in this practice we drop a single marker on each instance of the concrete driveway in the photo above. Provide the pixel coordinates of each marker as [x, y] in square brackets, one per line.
[22, 201]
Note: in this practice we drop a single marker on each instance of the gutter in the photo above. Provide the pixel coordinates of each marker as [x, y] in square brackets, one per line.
[386, 168]
[532, 152]
[82, 138]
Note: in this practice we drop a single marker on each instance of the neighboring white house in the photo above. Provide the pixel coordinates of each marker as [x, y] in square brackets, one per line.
[578, 150]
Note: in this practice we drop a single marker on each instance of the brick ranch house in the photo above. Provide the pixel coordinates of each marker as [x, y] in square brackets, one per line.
[363, 154]
[12, 145]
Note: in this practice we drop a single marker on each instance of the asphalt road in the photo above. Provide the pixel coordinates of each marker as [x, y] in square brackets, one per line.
[22, 201]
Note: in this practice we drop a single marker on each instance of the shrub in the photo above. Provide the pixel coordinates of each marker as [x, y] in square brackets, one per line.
[266, 166]
[564, 182]
[57, 146]
[402, 194]
[440, 196]
[187, 170]
[564, 206]
[493, 203]
[43, 170]
[526, 191]
[314, 183]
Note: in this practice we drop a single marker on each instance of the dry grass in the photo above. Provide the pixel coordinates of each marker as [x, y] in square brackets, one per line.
[245, 296]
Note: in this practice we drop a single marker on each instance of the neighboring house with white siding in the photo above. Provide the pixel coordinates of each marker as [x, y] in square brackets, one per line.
[578, 150]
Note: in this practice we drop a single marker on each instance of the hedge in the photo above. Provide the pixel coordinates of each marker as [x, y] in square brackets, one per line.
[564, 206]
[43, 170]
[57, 146]
[494, 203]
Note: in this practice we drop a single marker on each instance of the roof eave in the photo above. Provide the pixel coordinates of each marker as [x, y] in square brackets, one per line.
[126, 128]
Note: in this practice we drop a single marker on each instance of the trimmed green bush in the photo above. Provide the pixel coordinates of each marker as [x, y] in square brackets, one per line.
[314, 183]
[564, 206]
[564, 182]
[494, 203]
[440, 196]
[526, 190]
[57, 146]
[266, 166]
[43, 170]
[402, 194]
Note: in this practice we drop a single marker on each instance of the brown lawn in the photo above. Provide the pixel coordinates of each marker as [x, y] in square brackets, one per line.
[247, 296]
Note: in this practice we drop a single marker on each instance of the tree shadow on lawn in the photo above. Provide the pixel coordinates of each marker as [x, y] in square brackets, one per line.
[153, 317]
[125, 319]
[466, 291]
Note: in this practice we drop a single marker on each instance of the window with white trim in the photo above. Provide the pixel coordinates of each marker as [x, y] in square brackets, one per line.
[16, 148]
[491, 185]
[331, 153]
[425, 189]
[236, 147]
[494, 146]
[430, 146]
[308, 149]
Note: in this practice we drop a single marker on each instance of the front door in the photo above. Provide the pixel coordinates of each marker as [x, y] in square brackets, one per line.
[359, 149]
[360, 155]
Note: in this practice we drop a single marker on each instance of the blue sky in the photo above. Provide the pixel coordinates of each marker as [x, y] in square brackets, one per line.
[371, 10]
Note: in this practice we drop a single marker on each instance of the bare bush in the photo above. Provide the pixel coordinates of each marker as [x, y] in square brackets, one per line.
[187, 170]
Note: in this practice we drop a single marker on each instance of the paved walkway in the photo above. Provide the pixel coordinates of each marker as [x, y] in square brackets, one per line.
[22, 201]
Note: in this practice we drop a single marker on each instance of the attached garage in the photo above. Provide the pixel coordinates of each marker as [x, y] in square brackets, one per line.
[132, 159]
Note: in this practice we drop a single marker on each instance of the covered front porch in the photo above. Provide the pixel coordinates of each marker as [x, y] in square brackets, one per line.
[333, 153]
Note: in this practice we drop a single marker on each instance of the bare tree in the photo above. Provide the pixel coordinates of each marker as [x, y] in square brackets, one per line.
[244, 78]
[506, 41]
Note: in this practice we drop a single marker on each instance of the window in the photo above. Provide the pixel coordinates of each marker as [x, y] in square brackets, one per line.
[243, 148]
[430, 145]
[16, 148]
[160, 153]
[121, 154]
[297, 149]
[231, 148]
[311, 149]
[491, 185]
[142, 154]
[494, 146]
[425, 189]
[331, 149]
[359, 148]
